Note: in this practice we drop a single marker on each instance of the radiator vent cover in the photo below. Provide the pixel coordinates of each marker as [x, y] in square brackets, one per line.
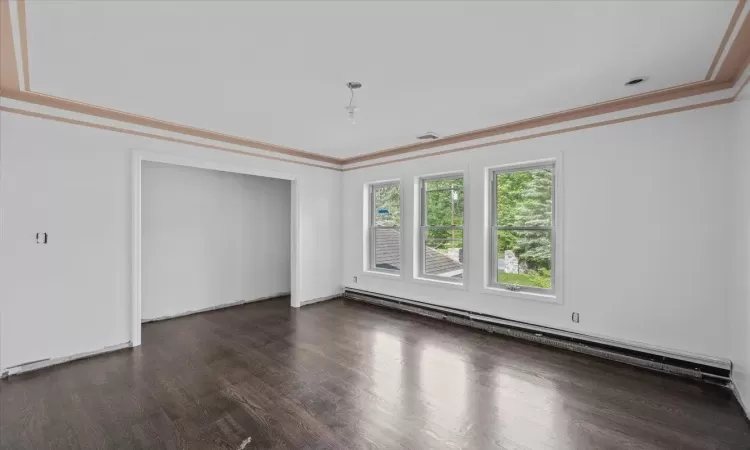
[548, 337]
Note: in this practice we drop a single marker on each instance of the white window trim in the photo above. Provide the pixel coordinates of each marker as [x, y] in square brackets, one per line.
[441, 283]
[524, 295]
[490, 285]
[381, 274]
[370, 268]
[420, 210]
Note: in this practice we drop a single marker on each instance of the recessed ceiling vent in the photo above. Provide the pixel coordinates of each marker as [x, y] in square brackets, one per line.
[634, 81]
[428, 136]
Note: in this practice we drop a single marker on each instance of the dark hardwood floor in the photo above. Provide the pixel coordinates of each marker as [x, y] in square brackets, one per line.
[341, 374]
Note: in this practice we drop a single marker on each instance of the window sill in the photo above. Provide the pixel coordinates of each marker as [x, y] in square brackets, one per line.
[547, 298]
[388, 275]
[442, 283]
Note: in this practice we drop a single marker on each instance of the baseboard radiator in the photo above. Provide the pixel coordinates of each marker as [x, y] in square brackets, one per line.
[707, 369]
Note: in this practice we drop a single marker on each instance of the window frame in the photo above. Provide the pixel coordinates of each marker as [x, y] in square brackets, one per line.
[493, 282]
[371, 229]
[424, 228]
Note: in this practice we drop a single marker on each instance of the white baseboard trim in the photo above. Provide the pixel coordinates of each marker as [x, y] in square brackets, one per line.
[212, 308]
[41, 364]
[745, 407]
[320, 299]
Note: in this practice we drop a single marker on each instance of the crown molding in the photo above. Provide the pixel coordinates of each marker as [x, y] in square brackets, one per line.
[727, 35]
[570, 129]
[133, 119]
[8, 64]
[24, 42]
[636, 101]
[162, 137]
[729, 63]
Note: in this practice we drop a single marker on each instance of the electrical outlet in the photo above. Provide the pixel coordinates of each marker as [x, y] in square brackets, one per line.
[575, 317]
[354, 279]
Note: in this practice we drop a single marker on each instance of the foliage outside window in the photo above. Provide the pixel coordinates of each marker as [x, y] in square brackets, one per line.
[385, 227]
[442, 228]
[524, 228]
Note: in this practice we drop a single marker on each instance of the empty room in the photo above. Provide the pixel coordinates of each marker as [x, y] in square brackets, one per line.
[374, 224]
[211, 239]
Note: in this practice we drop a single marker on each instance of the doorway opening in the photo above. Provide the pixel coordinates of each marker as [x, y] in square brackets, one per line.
[208, 236]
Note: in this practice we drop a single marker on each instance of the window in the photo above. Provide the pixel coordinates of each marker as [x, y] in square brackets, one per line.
[523, 228]
[441, 251]
[385, 227]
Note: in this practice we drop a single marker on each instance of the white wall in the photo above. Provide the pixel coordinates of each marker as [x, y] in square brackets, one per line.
[74, 294]
[662, 181]
[645, 213]
[211, 238]
[739, 314]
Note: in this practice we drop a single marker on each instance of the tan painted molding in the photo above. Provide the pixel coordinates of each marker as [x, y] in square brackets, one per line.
[650, 98]
[552, 133]
[727, 35]
[8, 65]
[153, 136]
[15, 87]
[567, 130]
[84, 108]
[737, 57]
[21, 4]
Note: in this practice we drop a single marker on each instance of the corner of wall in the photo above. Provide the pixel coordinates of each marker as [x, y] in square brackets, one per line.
[738, 313]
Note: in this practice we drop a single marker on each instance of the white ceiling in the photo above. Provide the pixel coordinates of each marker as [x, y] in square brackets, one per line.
[276, 71]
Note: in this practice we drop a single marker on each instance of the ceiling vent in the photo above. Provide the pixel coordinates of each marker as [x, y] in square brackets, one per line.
[428, 136]
[635, 81]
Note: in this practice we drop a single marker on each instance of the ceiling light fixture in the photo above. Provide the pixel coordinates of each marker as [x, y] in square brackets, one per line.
[352, 107]
[635, 81]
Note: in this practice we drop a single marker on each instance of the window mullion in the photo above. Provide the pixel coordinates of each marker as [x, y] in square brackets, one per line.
[458, 188]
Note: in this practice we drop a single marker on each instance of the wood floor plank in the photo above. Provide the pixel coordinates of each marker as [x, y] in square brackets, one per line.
[344, 375]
